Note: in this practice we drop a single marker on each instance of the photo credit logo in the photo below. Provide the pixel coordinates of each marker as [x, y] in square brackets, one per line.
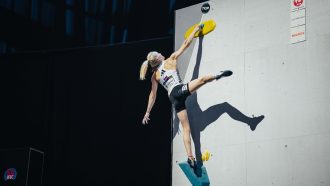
[10, 174]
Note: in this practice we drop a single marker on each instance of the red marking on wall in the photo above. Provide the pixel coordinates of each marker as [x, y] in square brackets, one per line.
[298, 34]
[298, 2]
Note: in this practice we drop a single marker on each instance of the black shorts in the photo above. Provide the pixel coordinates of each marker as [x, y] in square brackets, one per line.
[178, 97]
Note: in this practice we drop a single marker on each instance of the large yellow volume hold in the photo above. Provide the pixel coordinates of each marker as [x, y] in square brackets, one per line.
[209, 26]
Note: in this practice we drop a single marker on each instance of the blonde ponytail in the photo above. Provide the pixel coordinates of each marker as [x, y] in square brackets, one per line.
[144, 67]
[143, 70]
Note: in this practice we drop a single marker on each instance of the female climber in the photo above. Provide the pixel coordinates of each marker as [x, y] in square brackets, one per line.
[164, 71]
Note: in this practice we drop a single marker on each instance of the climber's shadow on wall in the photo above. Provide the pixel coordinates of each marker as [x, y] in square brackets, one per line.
[200, 119]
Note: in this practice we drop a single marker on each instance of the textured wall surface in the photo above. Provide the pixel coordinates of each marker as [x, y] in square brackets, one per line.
[287, 83]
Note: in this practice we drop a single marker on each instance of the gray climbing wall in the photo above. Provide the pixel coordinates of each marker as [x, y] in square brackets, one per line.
[287, 83]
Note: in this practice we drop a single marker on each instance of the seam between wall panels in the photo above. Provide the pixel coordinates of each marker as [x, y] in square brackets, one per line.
[244, 93]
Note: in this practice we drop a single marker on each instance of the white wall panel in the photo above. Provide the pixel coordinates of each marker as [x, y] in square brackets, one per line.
[287, 83]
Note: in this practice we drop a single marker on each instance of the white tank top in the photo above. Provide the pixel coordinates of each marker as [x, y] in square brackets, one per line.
[168, 78]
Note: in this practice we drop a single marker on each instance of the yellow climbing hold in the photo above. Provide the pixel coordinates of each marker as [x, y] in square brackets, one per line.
[206, 155]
